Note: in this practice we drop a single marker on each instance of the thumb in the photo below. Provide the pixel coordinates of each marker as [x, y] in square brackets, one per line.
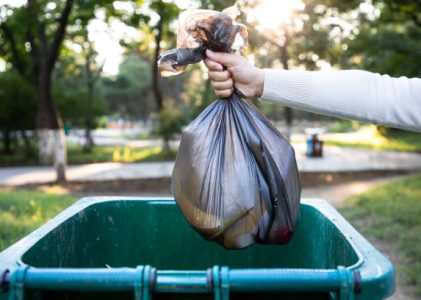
[226, 59]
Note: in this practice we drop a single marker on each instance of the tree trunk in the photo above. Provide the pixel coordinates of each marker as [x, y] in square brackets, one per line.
[166, 145]
[155, 72]
[38, 73]
[89, 124]
[288, 113]
[155, 82]
[60, 150]
[89, 141]
[7, 141]
[27, 142]
[52, 144]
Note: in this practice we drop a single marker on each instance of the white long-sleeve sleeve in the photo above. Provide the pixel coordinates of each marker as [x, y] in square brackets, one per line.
[352, 94]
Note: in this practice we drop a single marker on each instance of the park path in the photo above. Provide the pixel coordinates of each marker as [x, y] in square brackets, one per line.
[337, 194]
[335, 159]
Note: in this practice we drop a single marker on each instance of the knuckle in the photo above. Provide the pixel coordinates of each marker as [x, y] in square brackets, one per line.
[221, 76]
[208, 64]
[214, 66]
[222, 85]
[217, 76]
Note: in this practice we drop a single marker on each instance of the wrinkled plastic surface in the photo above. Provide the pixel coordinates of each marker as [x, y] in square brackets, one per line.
[235, 178]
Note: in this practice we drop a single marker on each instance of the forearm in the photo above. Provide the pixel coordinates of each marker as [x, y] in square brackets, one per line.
[358, 95]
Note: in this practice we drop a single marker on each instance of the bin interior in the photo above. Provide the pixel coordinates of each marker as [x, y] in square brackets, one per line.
[128, 233]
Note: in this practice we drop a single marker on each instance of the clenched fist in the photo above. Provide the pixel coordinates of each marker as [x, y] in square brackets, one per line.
[239, 73]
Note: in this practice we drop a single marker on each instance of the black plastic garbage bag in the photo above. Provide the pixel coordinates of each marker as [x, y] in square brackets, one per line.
[235, 177]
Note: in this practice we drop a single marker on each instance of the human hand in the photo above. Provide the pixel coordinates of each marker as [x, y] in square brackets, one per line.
[240, 74]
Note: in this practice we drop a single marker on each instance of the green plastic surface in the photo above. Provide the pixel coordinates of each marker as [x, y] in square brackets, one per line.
[130, 232]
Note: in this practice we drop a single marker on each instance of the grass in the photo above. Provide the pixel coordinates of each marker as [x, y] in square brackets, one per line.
[392, 213]
[25, 210]
[76, 155]
[367, 137]
[17, 159]
[343, 126]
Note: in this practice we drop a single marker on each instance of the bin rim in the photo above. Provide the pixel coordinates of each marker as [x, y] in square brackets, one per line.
[32, 238]
[366, 254]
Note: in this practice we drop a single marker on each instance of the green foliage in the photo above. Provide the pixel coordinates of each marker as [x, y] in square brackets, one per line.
[19, 157]
[129, 93]
[125, 154]
[78, 155]
[343, 126]
[273, 111]
[76, 91]
[17, 103]
[391, 213]
[390, 43]
[389, 132]
[157, 19]
[23, 211]
[216, 4]
[33, 28]
[171, 121]
[370, 138]
[73, 106]
[17, 110]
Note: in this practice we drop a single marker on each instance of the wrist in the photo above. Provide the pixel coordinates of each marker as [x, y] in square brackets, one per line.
[259, 83]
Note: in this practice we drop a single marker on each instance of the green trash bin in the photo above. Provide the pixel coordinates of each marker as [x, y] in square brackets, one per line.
[131, 248]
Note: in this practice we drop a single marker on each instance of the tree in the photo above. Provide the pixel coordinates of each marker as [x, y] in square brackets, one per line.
[309, 37]
[76, 92]
[388, 39]
[86, 73]
[32, 36]
[156, 28]
[33, 52]
[17, 110]
[293, 26]
[167, 13]
[128, 94]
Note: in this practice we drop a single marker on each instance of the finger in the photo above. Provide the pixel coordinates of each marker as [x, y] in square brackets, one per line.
[224, 93]
[219, 76]
[213, 65]
[226, 59]
[223, 85]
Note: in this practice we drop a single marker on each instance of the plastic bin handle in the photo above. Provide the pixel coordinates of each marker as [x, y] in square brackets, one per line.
[218, 280]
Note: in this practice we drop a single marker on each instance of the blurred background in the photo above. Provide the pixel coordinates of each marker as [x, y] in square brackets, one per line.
[83, 110]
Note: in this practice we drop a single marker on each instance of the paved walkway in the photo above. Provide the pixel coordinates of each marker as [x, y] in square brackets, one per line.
[335, 159]
[337, 194]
